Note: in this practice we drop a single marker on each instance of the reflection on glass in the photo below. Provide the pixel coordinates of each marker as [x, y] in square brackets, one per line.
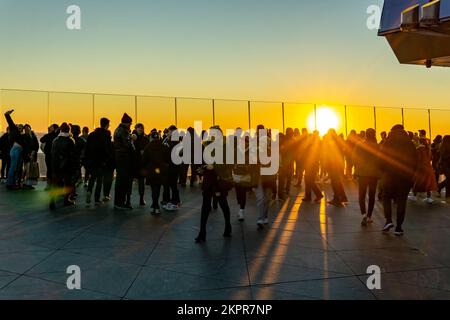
[297, 115]
[191, 110]
[113, 108]
[158, 113]
[72, 108]
[360, 118]
[268, 114]
[30, 107]
[231, 114]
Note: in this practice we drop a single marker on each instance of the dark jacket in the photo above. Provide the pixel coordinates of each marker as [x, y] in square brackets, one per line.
[365, 158]
[154, 162]
[63, 155]
[123, 145]
[139, 146]
[99, 151]
[5, 146]
[80, 146]
[30, 145]
[48, 140]
[398, 160]
[14, 133]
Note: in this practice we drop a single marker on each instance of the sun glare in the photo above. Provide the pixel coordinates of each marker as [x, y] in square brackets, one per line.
[326, 120]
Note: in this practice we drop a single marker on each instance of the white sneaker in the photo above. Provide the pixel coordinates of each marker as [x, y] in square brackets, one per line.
[171, 207]
[266, 221]
[260, 222]
[241, 215]
[429, 200]
[412, 198]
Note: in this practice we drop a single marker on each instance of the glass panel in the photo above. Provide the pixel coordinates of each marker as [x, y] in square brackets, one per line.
[113, 108]
[231, 114]
[360, 118]
[387, 118]
[330, 117]
[191, 110]
[440, 122]
[30, 107]
[72, 108]
[299, 116]
[268, 114]
[416, 120]
[158, 113]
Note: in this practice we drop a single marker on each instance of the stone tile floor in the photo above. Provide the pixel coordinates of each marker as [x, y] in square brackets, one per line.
[309, 251]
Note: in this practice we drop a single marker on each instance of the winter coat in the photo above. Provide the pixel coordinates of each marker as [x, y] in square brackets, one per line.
[365, 158]
[99, 151]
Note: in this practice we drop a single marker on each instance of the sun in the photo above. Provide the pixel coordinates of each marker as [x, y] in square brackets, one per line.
[326, 120]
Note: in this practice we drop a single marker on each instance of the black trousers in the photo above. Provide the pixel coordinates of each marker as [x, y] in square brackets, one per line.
[285, 179]
[399, 194]
[310, 184]
[337, 185]
[184, 168]
[97, 178]
[241, 196]
[64, 182]
[141, 186]
[5, 165]
[299, 170]
[107, 181]
[206, 209]
[48, 164]
[124, 179]
[367, 184]
[171, 192]
[156, 192]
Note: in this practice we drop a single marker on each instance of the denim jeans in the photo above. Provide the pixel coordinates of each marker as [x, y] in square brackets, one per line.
[15, 166]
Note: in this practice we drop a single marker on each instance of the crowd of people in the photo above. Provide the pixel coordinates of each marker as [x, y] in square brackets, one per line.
[401, 165]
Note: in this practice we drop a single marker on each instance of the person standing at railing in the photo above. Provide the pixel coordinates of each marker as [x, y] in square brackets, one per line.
[63, 165]
[171, 194]
[140, 144]
[99, 161]
[5, 147]
[16, 151]
[123, 150]
[365, 159]
[46, 147]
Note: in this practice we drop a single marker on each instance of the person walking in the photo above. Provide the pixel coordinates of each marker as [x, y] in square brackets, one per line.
[123, 151]
[365, 159]
[398, 160]
[218, 181]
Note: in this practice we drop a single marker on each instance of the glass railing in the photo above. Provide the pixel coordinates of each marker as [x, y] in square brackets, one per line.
[42, 108]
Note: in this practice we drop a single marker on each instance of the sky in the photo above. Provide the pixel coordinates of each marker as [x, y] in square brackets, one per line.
[317, 51]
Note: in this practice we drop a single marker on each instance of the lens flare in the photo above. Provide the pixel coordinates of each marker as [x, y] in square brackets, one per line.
[326, 120]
